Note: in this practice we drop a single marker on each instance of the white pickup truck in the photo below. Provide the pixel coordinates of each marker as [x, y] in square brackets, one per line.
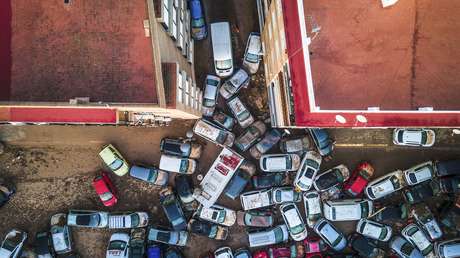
[128, 220]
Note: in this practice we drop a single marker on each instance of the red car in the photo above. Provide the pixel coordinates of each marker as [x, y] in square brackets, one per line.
[260, 254]
[105, 189]
[359, 179]
[315, 255]
[279, 252]
[314, 245]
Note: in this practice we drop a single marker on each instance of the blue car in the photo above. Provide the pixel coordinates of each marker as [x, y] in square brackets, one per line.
[198, 22]
[172, 209]
[154, 251]
[322, 141]
[240, 180]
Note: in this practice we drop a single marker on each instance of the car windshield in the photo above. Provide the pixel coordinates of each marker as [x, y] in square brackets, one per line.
[337, 241]
[424, 137]
[329, 179]
[224, 64]
[183, 165]
[87, 220]
[106, 196]
[135, 220]
[163, 236]
[243, 115]
[407, 248]
[209, 102]
[252, 58]
[117, 245]
[8, 245]
[198, 23]
[311, 163]
[298, 229]
[279, 235]
[116, 164]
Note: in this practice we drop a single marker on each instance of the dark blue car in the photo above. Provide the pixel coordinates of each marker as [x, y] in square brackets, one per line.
[172, 209]
[323, 142]
[240, 180]
[154, 251]
[198, 21]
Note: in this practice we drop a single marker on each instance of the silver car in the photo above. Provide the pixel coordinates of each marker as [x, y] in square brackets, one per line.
[419, 173]
[403, 248]
[279, 162]
[88, 219]
[414, 137]
[312, 205]
[230, 87]
[448, 249]
[211, 91]
[61, 234]
[307, 172]
[252, 53]
[334, 238]
[241, 112]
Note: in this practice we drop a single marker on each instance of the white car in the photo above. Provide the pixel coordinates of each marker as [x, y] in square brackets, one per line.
[417, 237]
[230, 87]
[12, 244]
[312, 205]
[240, 112]
[374, 230]
[88, 219]
[285, 194]
[252, 53]
[118, 246]
[346, 210]
[385, 185]
[210, 94]
[307, 172]
[293, 221]
[223, 252]
[60, 234]
[256, 199]
[403, 248]
[177, 164]
[419, 173]
[414, 137]
[276, 235]
[279, 162]
[217, 214]
[128, 220]
[425, 218]
[213, 133]
[334, 238]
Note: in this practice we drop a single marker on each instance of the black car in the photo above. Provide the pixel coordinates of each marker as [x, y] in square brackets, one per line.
[181, 148]
[43, 245]
[269, 180]
[185, 191]
[208, 229]
[421, 192]
[173, 252]
[322, 140]
[137, 243]
[448, 168]
[6, 192]
[450, 215]
[365, 247]
[450, 185]
[172, 209]
[240, 179]
[393, 214]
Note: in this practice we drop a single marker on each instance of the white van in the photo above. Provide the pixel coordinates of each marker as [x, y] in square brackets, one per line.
[346, 210]
[222, 48]
[275, 235]
[177, 164]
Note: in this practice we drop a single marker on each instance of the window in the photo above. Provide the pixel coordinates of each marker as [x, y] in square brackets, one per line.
[180, 87]
[164, 14]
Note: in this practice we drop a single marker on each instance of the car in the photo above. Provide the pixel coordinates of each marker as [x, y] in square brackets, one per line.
[279, 252]
[359, 179]
[261, 254]
[217, 214]
[285, 194]
[347, 209]
[240, 79]
[425, 218]
[314, 244]
[242, 253]
[154, 251]
[184, 187]
[334, 238]
[403, 248]
[421, 192]
[208, 229]
[374, 230]
[279, 162]
[213, 133]
[269, 180]
[307, 171]
[6, 192]
[88, 219]
[43, 245]
[365, 247]
[449, 214]
[448, 248]
[211, 91]
[240, 111]
[181, 147]
[256, 199]
[293, 221]
[118, 246]
[419, 173]
[105, 189]
[150, 175]
[447, 168]
[416, 237]
[296, 144]
[275, 235]
[119, 220]
[414, 137]
[172, 209]
[250, 136]
[255, 218]
[13, 243]
[137, 243]
[223, 120]
[178, 238]
[450, 185]
[223, 252]
[322, 140]
[252, 53]
[177, 164]
[240, 179]
[312, 205]
[385, 185]
[392, 214]
[61, 234]
[221, 41]
[114, 160]
[331, 178]
[197, 20]
[270, 139]
[173, 252]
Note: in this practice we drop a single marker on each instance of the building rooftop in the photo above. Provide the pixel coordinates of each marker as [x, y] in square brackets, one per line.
[95, 49]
